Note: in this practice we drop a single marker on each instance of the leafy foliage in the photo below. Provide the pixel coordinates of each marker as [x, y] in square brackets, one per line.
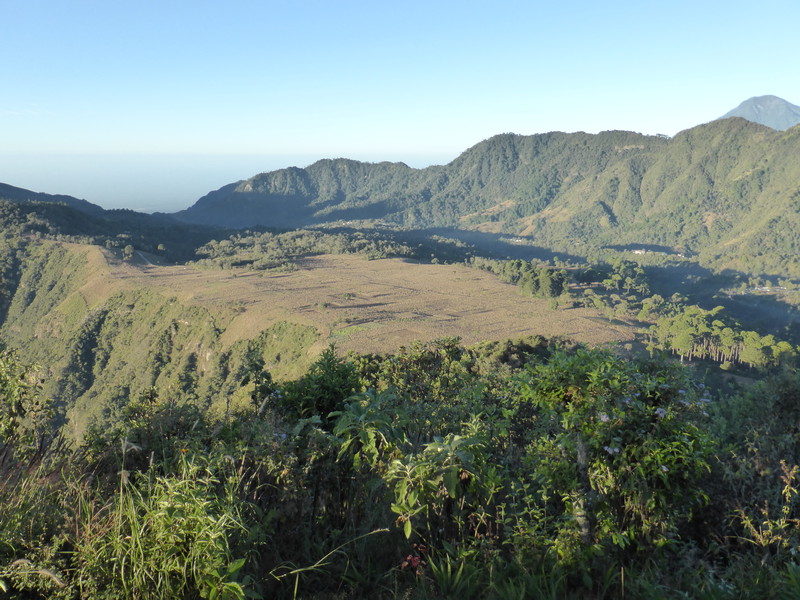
[499, 471]
[167, 537]
[323, 389]
[618, 446]
[535, 280]
[25, 417]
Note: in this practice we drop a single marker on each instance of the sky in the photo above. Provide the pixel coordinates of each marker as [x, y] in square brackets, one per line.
[149, 105]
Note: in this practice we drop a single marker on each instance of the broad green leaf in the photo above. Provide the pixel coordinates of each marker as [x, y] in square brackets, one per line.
[451, 481]
[235, 566]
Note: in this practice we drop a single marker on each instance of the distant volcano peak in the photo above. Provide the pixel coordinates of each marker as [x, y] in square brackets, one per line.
[771, 111]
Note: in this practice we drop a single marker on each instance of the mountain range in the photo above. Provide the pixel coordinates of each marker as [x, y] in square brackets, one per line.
[9, 192]
[728, 191]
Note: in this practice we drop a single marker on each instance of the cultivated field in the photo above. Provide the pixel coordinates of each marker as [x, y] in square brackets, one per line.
[369, 306]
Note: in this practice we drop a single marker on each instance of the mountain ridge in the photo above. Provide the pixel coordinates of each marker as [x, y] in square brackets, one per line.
[715, 189]
[345, 184]
[727, 190]
[10, 192]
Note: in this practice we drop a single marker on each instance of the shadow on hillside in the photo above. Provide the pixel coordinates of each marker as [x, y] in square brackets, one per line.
[500, 245]
[355, 213]
[668, 250]
[763, 312]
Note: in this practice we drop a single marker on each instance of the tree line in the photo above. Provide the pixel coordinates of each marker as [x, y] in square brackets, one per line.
[695, 333]
[531, 277]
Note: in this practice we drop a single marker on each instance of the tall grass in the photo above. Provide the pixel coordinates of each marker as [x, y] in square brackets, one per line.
[166, 537]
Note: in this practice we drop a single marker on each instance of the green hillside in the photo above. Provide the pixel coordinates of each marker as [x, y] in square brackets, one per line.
[726, 191]
[527, 170]
[10, 192]
[105, 341]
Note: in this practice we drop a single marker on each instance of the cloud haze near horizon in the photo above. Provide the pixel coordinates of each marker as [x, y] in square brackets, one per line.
[150, 105]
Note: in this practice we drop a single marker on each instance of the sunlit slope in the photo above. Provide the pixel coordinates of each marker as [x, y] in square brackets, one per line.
[108, 330]
[719, 190]
[105, 336]
[372, 305]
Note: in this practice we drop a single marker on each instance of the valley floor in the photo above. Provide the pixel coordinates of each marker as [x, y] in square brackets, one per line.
[373, 306]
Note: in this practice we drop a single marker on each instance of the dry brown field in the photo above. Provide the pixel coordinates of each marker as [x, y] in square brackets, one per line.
[363, 305]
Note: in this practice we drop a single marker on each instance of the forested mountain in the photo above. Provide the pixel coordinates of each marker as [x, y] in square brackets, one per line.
[9, 192]
[727, 190]
[767, 110]
[508, 169]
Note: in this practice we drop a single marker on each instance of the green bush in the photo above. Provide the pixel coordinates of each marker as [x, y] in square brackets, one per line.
[614, 447]
[509, 472]
[323, 389]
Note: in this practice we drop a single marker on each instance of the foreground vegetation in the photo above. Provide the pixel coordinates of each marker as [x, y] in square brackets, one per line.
[155, 454]
[524, 470]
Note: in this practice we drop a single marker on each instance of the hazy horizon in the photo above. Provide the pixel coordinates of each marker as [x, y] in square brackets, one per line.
[154, 183]
[150, 106]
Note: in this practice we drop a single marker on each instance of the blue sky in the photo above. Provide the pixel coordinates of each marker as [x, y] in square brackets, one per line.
[149, 105]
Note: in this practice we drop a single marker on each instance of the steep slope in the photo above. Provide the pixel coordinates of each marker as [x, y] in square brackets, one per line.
[726, 191]
[771, 111]
[526, 170]
[105, 339]
[325, 191]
